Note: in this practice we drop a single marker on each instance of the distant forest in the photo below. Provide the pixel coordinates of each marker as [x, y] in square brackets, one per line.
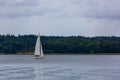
[10, 44]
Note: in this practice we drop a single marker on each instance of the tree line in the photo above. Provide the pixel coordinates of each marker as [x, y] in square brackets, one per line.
[11, 44]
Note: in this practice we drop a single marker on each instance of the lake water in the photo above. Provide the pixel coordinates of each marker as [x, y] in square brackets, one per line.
[60, 67]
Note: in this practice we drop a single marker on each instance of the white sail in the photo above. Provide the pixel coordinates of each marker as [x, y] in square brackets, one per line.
[38, 48]
[41, 51]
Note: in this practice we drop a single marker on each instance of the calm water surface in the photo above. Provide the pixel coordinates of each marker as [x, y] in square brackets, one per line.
[60, 67]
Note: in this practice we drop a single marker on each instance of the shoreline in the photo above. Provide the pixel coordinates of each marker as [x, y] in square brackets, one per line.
[64, 54]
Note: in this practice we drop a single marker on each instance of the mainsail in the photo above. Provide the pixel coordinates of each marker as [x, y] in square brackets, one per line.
[38, 48]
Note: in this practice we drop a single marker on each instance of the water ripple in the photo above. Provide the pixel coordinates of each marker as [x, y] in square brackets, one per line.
[58, 72]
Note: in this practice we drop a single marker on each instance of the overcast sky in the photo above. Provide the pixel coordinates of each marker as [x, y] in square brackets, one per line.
[60, 17]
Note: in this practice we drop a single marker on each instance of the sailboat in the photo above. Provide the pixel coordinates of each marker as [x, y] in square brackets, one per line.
[38, 54]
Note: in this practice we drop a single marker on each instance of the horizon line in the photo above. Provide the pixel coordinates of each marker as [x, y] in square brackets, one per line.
[62, 35]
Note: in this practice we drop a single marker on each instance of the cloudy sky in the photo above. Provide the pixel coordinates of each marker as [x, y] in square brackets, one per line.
[60, 17]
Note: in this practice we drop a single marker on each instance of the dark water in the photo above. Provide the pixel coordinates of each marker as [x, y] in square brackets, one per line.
[60, 67]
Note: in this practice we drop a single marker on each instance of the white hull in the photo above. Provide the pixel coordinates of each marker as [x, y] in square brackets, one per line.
[38, 57]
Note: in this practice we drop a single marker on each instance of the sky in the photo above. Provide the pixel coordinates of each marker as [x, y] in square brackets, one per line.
[60, 17]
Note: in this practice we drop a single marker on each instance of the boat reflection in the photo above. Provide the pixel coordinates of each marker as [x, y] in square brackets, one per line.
[38, 71]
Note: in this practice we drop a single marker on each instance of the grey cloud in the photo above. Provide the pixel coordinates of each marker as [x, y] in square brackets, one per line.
[16, 3]
[25, 8]
[69, 17]
[27, 3]
[2, 2]
[26, 12]
[108, 9]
